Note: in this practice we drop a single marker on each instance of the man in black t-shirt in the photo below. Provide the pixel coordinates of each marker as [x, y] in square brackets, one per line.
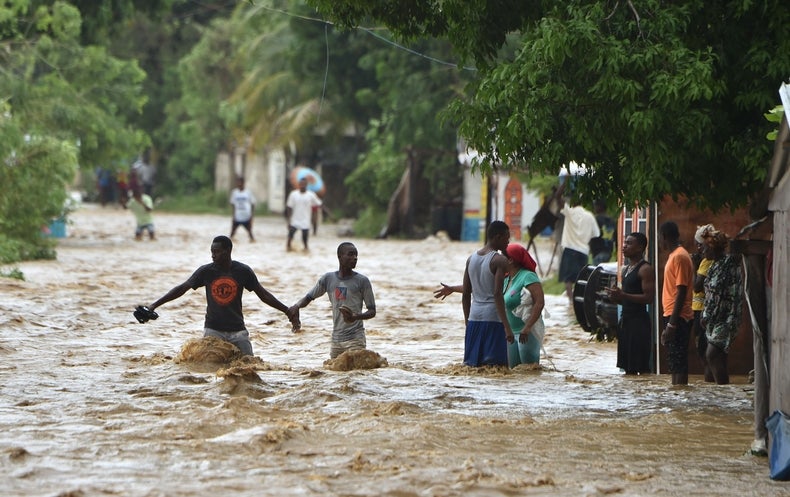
[225, 281]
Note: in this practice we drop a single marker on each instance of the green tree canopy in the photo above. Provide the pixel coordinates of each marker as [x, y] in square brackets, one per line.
[307, 82]
[655, 98]
[62, 106]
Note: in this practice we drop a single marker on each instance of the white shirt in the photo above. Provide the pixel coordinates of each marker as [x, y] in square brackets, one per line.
[301, 205]
[243, 201]
[579, 228]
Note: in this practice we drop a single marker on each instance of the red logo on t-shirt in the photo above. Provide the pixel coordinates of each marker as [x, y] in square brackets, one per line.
[224, 290]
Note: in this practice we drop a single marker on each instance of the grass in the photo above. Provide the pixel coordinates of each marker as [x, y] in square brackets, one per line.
[13, 273]
[551, 286]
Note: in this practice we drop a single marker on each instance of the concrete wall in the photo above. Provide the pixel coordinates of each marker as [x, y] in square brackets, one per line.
[264, 175]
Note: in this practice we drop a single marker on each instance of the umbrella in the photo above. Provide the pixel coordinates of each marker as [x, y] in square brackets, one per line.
[314, 181]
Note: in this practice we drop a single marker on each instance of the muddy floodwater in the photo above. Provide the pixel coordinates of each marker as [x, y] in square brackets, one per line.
[92, 403]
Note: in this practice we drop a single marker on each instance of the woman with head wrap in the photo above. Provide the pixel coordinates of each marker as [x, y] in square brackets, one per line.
[721, 316]
[524, 302]
[701, 267]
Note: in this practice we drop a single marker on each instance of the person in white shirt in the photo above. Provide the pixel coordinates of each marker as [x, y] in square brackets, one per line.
[243, 202]
[298, 212]
[578, 229]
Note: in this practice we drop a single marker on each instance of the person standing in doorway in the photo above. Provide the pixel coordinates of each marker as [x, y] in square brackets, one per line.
[676, 296]
[634, 337]
[298, 212]
[243, 202]
[488, 331]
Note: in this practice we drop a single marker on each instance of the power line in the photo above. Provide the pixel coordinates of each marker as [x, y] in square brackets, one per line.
[370, 31]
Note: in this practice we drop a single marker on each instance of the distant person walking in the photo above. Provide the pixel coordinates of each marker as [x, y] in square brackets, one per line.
[243, 202]
[123, 186]
[299, 211]
[105, 184]
[488, 331]
[141, 205]
[676, 298]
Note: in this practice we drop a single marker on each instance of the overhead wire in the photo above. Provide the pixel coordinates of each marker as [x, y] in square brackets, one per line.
[368, 30]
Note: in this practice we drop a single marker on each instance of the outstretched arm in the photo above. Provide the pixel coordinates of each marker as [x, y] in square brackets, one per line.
[445, 290]
[303, 302]
[173, 294]
[272, 301]
[269, 299]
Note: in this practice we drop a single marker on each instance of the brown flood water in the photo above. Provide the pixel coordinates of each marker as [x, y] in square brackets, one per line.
[94, 403]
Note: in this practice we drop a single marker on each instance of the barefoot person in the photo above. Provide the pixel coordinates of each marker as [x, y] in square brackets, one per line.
[347, 291]
[225, 281]
[701, 266]
[721, 316]
[676, 297]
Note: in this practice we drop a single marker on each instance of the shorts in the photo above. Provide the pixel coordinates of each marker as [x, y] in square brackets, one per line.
[485, 344]
[338, 348]
[571, 263]
[293, 229]
[143, 227]
[678, 347]
[247, 224]
[240, 339]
